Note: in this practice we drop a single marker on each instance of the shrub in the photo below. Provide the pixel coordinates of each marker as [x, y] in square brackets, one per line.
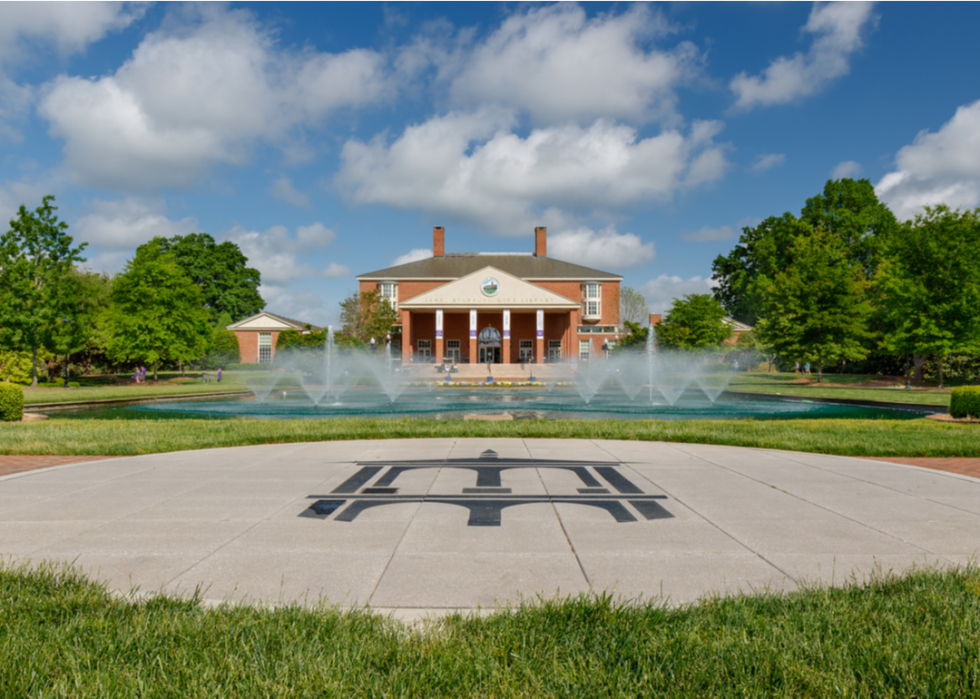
[965, 402]
[11, 402]
[225, 350]
[249, 367]
[15, 367]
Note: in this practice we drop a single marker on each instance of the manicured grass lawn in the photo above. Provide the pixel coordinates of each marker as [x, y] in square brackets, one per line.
[916, 635]
[844, 437]
[171, 386]
[783, 384]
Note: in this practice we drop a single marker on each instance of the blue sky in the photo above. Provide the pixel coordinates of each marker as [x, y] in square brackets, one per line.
[327, 139]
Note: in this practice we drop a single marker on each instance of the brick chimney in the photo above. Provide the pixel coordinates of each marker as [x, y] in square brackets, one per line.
[438, 241]
[655, 318]
[540, 241]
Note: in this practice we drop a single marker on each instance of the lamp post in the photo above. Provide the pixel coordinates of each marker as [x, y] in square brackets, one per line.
[373, 345]
[907, 384]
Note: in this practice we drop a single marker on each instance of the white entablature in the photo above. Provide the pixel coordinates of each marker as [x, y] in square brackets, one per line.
[476, 291]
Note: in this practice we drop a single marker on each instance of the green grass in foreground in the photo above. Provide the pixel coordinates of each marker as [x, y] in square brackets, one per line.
[914, 635]
[843, 437]
[782, 384]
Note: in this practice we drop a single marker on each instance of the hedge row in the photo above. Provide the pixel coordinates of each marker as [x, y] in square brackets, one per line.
[11, 402]
[965, 402]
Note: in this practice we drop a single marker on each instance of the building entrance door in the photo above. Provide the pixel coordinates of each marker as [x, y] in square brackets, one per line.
[489, 355]
[490, 344]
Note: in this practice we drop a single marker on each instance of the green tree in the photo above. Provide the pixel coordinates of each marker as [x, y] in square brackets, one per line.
[761, 251]
[366, 315]
[309, 340]
[848, 209]
[220, 270]
[223, 348]
[36, 258]
[81, 329]
[929, 285]
[636, 341]
[157, 313]
[633, 307]
[816, 309]
[695, 322]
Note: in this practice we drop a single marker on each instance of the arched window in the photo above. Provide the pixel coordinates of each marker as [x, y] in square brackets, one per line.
[490, 337]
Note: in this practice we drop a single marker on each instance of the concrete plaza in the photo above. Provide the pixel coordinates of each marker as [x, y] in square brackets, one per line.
[422, 526]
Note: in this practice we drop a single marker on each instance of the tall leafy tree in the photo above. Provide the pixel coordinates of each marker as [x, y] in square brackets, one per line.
[929, 285]
[632, 307]
[36, 258]
[816, 309]
[763, 250]
[157, 313]
[221, 270]
[81, 329]
[695, 322]
[848, 209]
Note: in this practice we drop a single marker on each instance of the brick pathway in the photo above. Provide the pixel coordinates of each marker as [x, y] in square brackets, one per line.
[16, 464]
[961, 465]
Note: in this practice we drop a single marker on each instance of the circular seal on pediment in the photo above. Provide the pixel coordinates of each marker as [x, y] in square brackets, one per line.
[490, 286]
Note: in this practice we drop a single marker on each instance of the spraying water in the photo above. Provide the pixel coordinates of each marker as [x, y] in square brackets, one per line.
[325, 374]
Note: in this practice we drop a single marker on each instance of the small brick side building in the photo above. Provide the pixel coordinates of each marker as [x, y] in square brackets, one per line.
[257, 335]
[502, 308]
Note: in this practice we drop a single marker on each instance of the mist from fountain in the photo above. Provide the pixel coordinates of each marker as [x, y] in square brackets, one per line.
[665, 375]
[327, 373]
[260, 386]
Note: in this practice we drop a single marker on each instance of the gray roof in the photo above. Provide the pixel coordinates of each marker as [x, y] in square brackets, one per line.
[456, 265]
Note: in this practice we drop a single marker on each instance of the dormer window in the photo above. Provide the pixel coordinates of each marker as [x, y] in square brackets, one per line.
[389, 290]
[591, 301]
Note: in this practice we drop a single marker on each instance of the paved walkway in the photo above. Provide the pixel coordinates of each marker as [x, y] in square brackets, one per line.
[426, 525]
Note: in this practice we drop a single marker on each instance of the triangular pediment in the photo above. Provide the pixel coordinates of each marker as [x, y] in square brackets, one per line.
[267, 321]
[476, 291]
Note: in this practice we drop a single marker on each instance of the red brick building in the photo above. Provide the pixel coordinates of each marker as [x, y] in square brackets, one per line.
[257, 335]
[502, 308]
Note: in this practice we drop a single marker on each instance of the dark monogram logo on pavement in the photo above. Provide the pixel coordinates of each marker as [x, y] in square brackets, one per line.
[603, 486]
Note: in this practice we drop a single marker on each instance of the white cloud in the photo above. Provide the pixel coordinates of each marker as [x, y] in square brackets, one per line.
[769, 160]
[283, 189]
[559, 66]
[194, 95]
[336, 271]
[303, 305]
[275, 252]
[412, 256]
[836, 28]
[314, 236]
[661, 292]
[604, 249]
[126, 224]
[114, 229]
[471, 167]
[68, 26]
[848, 168]
[29, 28]
[937, 168]
[27, 192]
[705, 234]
